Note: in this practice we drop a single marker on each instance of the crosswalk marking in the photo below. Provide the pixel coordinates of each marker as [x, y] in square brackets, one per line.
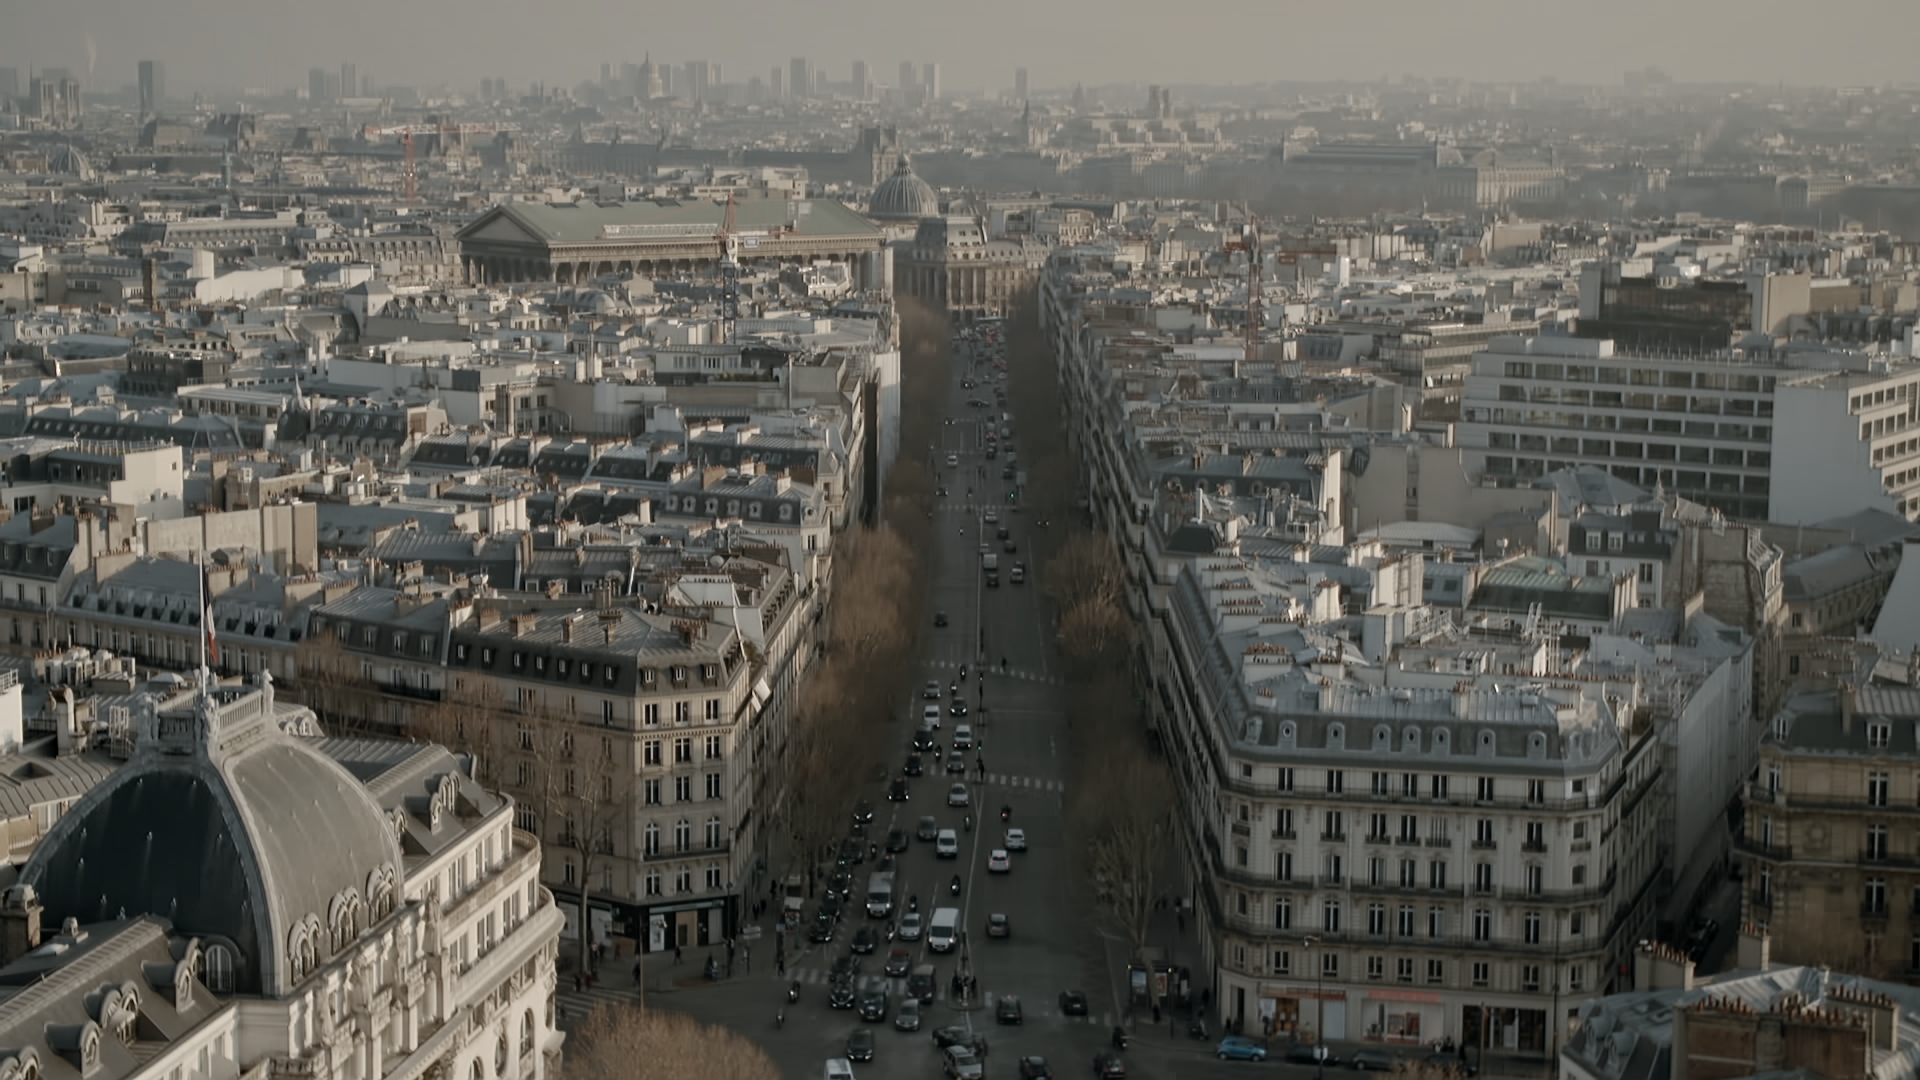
[1028, 676]
[1028, 783]
[579, 1003]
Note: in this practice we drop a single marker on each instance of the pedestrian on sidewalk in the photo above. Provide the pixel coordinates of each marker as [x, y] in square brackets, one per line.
[579, 984]
[636, 973]
[746, 954]
[780, 963]
[676, 954]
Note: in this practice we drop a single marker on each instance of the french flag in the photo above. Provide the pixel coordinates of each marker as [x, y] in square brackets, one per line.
[206, 621]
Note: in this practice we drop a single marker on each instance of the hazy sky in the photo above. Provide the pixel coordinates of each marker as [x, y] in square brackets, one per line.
[977, 42]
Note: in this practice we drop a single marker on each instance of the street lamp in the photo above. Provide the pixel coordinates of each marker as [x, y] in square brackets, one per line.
[1319, 1015]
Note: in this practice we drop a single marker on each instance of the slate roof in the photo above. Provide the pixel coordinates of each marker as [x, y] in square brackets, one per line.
[583, 222]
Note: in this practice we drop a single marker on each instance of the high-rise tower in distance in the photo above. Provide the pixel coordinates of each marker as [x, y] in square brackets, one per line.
[153, 87]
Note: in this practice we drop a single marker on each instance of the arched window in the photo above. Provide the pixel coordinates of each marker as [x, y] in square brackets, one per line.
[526, 1033]
[217, 969]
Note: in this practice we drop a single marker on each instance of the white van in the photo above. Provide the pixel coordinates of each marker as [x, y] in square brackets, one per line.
[839, 1069]
[944, 930]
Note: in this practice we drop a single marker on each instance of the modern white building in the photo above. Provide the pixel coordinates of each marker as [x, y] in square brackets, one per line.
[247, 898]
[1788, 436]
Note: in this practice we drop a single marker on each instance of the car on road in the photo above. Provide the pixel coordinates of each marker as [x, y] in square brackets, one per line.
[1008, 1011]
[923, 740]
[939, 618]
[993, 580]
[962, 735]
[963, 1065]
[1313, 1054]
[897, 840]
[1018, 575]
[838, 1069]
[953, 460]
[1239, 1048]
[910, 926]
[1006, 473]
[1035, 1067]
[956, 762]
[957, 795]
[860, 1045]
[1108, 1066]
[999, 862]
[852, 851]
[1016, 840]
[845, 967]
[897, 791]
[873, 1006]
[1010, 547]
[947, 844]
[899, 962]
[928, 829]
[914, 766]
[907, 1016]
[999, 926]
[1372, 1061]
[957, 707]
[865, 940]
[931, 691]
[863, 811]
[840, 996]
[980, 403]
[992, 517]
[1073, 1003]
[930, 717]
[952, 1035]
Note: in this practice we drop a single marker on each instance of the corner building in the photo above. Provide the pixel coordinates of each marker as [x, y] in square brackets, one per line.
[1403, 851]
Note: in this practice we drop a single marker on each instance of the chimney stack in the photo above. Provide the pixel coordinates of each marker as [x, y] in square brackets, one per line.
[1849, 702]
[1753, 950]
[19, 922]
[1657, 966]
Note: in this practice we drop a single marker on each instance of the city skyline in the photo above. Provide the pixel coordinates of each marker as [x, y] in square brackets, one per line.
[1484, 40]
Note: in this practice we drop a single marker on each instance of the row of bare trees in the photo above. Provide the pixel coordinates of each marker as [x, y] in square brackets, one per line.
[873, 619]
[616, 1042]
[1122, 810]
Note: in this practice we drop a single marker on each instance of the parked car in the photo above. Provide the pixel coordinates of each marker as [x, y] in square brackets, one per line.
[1372, 1061]
[1239, 1048]
[1314, 1054]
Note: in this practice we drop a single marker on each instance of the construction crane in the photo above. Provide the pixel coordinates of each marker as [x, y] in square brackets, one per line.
[445, 131]
[1249, 242]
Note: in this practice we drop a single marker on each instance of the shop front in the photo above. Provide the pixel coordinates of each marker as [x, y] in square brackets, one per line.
[1404, 1016]
[1297, 1011]
[1503, 1029]
[691, 925]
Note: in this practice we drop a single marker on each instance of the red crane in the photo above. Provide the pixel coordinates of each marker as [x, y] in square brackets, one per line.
[408, 173]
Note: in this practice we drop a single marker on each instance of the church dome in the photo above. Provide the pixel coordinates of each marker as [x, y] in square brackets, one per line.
[236, 831]
[66, 161]
[903, 196]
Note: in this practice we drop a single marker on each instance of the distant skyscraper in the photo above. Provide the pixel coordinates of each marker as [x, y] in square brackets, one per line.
[9, 84]
[907, 81]
[1019, 84]
[317, 84]
[930, 78]
[153, 86]
[606, 75]
[349, 81]
[800, 76]
[862, 81]
[778, 83]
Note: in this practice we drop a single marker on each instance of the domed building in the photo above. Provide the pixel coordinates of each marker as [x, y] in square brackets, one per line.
[903, 197]
[266, 898]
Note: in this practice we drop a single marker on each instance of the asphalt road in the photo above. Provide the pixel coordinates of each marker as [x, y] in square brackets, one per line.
[1054, 945]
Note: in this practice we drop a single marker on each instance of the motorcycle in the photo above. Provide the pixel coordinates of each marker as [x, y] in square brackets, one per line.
[956, 885]
[1006, 813]
[793, 990]
[913, 903]
[780, 1019]
[967, 823]
[1120, 1038]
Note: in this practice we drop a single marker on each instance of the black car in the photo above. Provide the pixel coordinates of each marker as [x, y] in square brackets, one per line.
[1073, 1003]
[897, 840]
[957, 708]
[863, 811]
[1006, 473]
[899, 962]
[1372, 1061]
[897, 791]
[853, 850]
[928, 829]
[923, 741]
[1009, 1011]
[864, 940]
[840, 996]
[831, 906]
[939, 618]
[1035, 1067]
[1313, 1054]
[839, 885]
[860, 1045]
[1108, 1066]
[1004, 532]
[914, 766]
[873, 1005]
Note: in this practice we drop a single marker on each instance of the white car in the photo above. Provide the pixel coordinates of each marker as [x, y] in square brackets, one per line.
[953, 460]
[962, 1065]
[998, 862]
[930, 717]
[931, 691]
[1016, 840]
[946, 845]
[910, 926]
[957, 795]
[839, 1069]
[963, 736]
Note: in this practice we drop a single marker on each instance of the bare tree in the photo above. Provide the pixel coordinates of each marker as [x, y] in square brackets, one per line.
[595, 794]
[331, 681]
[1124, 820]
[615, 1041]
[466, 724]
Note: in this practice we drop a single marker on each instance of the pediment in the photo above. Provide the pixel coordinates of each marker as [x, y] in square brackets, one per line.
[499, 227]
